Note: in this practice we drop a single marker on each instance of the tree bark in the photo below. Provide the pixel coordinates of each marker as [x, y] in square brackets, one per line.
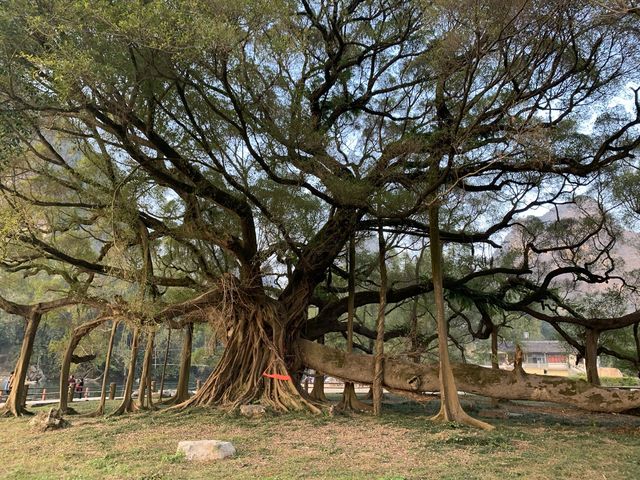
[591, 356]
[182, 390]
[76, 336]
[350, 401]
[317, 393]
[13, 405]
[253, 367]
[378, 368]
[450, 408]
[105, 375]
[164, 364]
[127, 404]
[411, 378]
[495, 364]
[144, 391]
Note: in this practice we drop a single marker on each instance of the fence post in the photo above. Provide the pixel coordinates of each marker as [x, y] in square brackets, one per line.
[112, 391]
[44, 394]
[86, 393]
[71, 392]
[153, 386]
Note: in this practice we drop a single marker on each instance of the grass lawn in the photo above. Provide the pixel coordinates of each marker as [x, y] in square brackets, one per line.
[531, 441]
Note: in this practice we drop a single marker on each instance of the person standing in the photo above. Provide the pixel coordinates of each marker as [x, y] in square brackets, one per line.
[80, 387]
[72, 386]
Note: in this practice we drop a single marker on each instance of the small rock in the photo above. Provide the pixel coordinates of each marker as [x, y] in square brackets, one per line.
[252, 411]
[204, 450]
[49, 421]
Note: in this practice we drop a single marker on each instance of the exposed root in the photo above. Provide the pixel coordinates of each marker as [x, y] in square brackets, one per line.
[7, 412]
[317, 392]
[350, 401]
[459, 416]
[255, 348]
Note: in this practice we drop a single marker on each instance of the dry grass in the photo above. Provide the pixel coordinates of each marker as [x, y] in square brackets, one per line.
[531, 441]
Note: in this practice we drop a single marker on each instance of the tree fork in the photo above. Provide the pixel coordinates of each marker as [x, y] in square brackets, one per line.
[76, 336]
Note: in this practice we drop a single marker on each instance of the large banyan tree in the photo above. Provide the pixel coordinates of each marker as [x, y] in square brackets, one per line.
[240, 146]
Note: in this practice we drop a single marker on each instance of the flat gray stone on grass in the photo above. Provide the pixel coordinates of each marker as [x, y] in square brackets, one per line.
[204, 450]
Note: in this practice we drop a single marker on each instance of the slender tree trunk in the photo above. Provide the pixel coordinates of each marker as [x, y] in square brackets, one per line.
[76, 336]
[182, 390]
[317, 393]
[164, 364]
[416, 349]
[450, 408]
[105, 375]
[413, 332]
[13, 405]
[495, 365]
[591, 356]
[127, 404]
[144, 392]
[378, 369]
[349, 399]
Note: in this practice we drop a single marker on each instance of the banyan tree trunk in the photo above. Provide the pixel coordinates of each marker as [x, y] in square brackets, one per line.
[494, 356]
[408, 377]
[349, 399]
[378, 366]
[591, 356]
[450, 407]
[144, 392]
[76, 336]
[105, 375]
[127, 404]
[317, 392]
[13, 405]
[252, 368]
[182, 390]
[164, 364]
